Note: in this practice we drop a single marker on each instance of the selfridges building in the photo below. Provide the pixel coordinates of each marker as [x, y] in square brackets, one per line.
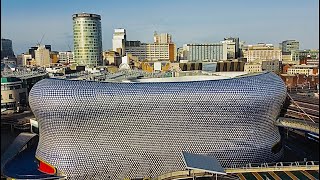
[100, 130]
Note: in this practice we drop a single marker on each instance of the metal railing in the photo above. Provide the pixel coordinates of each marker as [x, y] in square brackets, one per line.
[249, 168]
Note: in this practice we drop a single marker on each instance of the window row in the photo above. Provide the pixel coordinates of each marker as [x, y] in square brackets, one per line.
[10, 87]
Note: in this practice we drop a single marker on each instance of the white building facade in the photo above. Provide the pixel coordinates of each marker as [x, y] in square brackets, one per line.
[152, 52]
[119, 41]
[304, 69]
[206, 52]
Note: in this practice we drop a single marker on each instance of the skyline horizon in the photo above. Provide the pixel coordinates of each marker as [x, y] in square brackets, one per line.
[177, 46]
[252, 22]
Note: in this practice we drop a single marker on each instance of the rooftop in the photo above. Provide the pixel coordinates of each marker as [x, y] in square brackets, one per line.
[86, 15]
[9, 79]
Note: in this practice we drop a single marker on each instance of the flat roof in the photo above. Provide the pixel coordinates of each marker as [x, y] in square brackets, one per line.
[201, 162]
[86, 15]
[213, 76]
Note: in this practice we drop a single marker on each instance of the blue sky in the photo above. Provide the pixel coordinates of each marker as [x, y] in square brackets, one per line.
[189, 21]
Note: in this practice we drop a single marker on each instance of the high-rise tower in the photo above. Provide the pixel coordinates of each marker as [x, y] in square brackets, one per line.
[119, 41]
[6, 48]
[87, 39]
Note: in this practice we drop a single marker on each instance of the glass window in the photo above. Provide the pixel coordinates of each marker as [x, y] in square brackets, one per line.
[10, 96]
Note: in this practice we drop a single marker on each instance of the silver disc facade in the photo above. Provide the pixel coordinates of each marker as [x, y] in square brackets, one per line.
[95, 130]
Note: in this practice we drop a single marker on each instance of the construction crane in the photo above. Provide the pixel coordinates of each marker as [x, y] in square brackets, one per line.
[69, 47]
[39, 43]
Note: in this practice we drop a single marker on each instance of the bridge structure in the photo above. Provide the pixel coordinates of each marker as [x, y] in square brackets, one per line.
[298, 124]
[300, 113]
[302, 106]
[24, 74]
[276, 171]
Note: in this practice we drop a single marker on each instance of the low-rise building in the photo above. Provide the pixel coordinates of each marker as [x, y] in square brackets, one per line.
[286, 57]
[302, 54]
[152, 51]
[220, 66]
[9, 60]
[54, 57]
[26, 59]
[285, 67]
[252, 67]
[182, 54]
[66, 57]
[271, 66]
[261, 51]
[312, 62]
[111, 58]
[158, 66]
[263, 65]
[300, 80]
[309, 61]
[190, 66]
[13, 93]
[230, 65]
[304, 69]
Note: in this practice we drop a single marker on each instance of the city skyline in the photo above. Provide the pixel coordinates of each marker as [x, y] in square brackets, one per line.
[187, 22]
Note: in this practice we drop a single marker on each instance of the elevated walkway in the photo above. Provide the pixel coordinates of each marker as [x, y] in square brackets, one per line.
[298, 124]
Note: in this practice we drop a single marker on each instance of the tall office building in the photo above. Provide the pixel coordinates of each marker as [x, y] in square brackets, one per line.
[32, 49]
[87, 39]
[42, 56]
[6, 48]
[289, 45]
[119, 41]
[163, 38]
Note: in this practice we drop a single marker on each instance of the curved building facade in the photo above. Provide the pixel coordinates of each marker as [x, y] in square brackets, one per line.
[87, 39]
[94, 130]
